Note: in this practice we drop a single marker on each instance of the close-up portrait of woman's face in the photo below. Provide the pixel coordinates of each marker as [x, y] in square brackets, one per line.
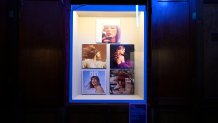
[98, 55]
[122, 51]
[121, 83]
[94, 81]
[111, 31]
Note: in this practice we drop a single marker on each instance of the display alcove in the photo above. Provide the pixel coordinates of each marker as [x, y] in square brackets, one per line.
[86, 23]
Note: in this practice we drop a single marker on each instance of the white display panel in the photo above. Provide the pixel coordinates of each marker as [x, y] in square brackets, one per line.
[132, 31]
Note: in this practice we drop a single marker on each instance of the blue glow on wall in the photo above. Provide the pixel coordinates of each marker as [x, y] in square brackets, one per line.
[161, 10]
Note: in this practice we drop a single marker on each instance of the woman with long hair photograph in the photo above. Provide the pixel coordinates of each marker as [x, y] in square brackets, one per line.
[92, 57]
[95, 83]
[120, 59]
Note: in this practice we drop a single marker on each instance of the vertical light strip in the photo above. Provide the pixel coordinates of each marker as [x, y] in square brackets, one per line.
[137, 15]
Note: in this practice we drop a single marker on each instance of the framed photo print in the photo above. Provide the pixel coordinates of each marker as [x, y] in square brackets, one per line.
[108, 30]
[93, 56]
[121, 56]
[121, 82]
[93, 81]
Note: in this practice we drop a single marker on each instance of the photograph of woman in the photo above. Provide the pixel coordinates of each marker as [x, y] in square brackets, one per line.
[108, 30]
[110, 34]
[121, 82]
[94, 56]
[122, 56]
[94, 82]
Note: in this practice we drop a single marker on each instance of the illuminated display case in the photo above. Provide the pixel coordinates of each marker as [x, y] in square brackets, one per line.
[88, 29]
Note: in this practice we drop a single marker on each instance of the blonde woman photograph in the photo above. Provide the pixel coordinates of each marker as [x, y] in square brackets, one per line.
[93, 56]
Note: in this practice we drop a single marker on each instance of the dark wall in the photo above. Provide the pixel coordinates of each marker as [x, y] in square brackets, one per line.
[184, 57]
[210, 33]
[173, 61]
[42, 62]
[42, 53]
[210, 58]
[173, 50]
[8, 62]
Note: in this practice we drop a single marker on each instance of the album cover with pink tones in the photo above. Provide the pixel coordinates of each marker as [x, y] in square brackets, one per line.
[122, 56]
[108, 30]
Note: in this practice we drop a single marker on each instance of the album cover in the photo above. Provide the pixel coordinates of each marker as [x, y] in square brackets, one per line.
[122, 56]
[93, 81]
[108, 30]
[94, 56]
[121, 82]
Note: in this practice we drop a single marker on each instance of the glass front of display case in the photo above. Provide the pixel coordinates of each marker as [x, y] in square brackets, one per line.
[108, 54]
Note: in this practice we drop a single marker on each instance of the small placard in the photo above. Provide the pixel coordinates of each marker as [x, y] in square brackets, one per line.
[137, 113]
